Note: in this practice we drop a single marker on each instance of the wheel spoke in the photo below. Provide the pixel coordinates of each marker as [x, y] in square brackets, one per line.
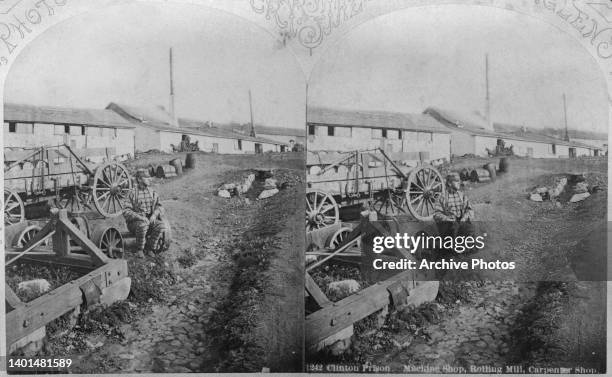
[104, 204]
[103, 195]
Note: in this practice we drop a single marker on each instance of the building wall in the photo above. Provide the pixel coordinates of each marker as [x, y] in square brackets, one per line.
[283, 138]
[529, 148]
[29, 135]
[210, 144]
[602, 144]
[146, 139]
[462, 143]
[362, 138]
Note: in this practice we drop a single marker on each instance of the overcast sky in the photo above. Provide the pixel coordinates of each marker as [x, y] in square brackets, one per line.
[121, 54]
[434, 56]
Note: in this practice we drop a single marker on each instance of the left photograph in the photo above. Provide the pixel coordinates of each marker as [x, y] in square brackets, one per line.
[153, 195]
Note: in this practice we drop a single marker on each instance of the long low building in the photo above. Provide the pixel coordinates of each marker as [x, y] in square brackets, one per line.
[349, 130]
[470, 137]
[285, 135]
[156, 130]
[27, 126]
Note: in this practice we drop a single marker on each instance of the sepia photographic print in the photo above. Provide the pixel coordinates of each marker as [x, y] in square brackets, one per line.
[153, 177]
[305, 187]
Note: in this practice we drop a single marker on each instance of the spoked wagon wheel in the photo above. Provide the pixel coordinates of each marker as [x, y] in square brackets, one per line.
[321, 210]
[340, 237]
[74, 200]
[389, 203]
[110, 241]
[26, 235]
[425, 185]
[111, 186]
[14, 211]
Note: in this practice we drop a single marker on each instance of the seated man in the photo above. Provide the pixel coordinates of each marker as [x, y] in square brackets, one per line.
[143, 215]
[453, 212]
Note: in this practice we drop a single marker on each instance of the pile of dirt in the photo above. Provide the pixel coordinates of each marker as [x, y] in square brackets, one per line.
[562, 326]
[234, 325]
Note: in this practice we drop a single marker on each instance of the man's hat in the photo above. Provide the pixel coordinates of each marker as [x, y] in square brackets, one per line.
[144, 173]
[453, 177]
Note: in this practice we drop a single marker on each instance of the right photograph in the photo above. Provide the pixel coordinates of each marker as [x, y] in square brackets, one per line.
[456, 197]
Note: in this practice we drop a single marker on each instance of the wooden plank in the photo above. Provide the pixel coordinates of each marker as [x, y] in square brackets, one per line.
[61, 243]
[315, 292]
[81, 262]
[28, 318]
[46, 232]
[11, 298]
[95, 253]
[330, 320]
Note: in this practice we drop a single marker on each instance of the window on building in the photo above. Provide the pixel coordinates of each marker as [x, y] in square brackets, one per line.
[66, 129]
[311, 130]
[238, 145]
[330, 130]
[12, 127]
[83, 130]
[399, 134]
[553, 149]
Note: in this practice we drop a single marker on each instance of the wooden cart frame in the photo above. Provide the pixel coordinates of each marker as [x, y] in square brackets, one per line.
[105, 281]
[59, 173]
[330, 322]
[372, 177]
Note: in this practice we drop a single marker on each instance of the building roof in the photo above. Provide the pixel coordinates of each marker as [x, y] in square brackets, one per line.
[204, 128]
[63, 115]
[468, 121]
[456, 122]
[375, 119]
[158, 119]
[154, 116]
[267, 130]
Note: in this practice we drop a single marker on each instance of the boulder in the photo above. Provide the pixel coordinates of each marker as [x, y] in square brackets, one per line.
[346, 286]
[559, 187]
[581, 187]
[224, 194]
[228, 186]
[267, 193]
[579, 197]
[270, 184]
[36, 286]
[535, 197]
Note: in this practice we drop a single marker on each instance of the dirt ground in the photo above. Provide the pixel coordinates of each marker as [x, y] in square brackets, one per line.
[522, 317]
[188, 324]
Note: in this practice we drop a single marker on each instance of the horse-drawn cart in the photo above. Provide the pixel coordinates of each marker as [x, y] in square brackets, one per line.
[65, 178]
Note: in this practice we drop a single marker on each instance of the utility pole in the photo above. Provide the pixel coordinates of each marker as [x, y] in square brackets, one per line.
[566, 138]
[252, 134]
[488, 98]
[172, 110]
